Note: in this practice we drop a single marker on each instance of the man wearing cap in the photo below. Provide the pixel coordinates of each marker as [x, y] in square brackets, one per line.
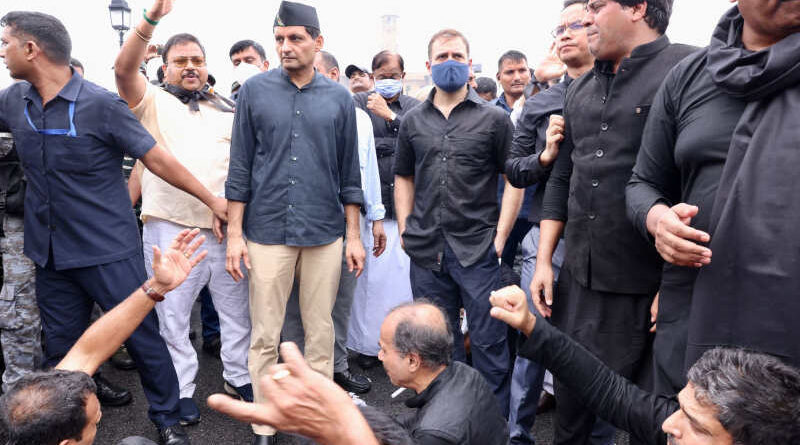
[292, 182]
[358, 76]
[194, 124]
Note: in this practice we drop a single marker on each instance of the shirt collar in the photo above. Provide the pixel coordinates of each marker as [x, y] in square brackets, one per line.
[285, 75]
[640, 52]
[651, 48]
[419, 400]
[472, 96]
[502, 102]
[69, 92]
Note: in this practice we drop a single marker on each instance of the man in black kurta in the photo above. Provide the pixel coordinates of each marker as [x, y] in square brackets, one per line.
[708, 144]
[610, 274]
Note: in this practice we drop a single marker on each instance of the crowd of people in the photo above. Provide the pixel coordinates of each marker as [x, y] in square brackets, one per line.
[358, 221]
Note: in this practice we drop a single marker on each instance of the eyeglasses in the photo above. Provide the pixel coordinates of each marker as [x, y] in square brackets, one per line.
[181, 62]
[561, 29]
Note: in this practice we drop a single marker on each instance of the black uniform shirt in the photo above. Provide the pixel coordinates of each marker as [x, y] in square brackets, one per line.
[454, 163]
[605, 113]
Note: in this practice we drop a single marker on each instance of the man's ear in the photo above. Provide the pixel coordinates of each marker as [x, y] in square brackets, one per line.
[414, 362]
[638, 11]
[31, 49]
[319, 42]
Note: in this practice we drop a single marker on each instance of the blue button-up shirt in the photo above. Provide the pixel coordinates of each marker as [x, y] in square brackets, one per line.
[76, 202]
[294, 159]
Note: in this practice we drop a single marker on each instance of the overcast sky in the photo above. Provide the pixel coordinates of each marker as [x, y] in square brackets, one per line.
[351, 28]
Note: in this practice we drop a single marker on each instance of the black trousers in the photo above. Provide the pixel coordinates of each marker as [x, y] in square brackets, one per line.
[66, 299]
[614, 327]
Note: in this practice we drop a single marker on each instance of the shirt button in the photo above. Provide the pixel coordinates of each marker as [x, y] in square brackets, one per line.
[592, 216]
[446, 137]
[293, 158]
[603, 99]
[444, 158]
[442, 182]
[391, 185]
[296, 135]
[599, 153]
[595, 182]
[604, 126]
[291, 207]
[297, 112]
[292, 181]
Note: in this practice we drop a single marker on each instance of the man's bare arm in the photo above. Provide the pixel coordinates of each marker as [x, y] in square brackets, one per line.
[354, 250]
[403, 200]
[237, 248]
[131, 84]
[165, 166]
[543, 279]
[509, 210]
[105, 336]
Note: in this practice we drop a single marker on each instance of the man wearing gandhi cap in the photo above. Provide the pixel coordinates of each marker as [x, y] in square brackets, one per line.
[293, 181]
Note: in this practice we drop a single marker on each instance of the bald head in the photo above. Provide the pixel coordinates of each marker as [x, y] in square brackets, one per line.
[421, 328]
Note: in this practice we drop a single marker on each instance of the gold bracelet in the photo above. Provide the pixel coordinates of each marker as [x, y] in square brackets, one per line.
[141, 35]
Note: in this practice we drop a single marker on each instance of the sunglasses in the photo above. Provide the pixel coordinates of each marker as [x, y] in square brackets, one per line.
[574, 26]
[182, 62]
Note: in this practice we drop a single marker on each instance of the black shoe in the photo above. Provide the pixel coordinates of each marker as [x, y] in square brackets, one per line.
[244, 392]
[110, 395]
[212, 346]
[121, 360]
[173, 435]
[367, 361]
[265, 440]
[356, 383]
[189, 413]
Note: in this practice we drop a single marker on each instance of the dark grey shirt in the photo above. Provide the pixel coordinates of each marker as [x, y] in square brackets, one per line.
[454, 163]
[294, 159]
[385, 140]
[530, 136]
[605, 113]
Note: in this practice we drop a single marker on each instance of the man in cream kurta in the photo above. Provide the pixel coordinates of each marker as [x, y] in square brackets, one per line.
[200, 140]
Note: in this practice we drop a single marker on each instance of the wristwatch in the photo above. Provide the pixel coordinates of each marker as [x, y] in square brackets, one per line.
[392, 117]
[152, 293]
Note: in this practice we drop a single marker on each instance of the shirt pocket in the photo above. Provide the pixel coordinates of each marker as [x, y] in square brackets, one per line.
[473, 149]
[73, 154]
[8, 308]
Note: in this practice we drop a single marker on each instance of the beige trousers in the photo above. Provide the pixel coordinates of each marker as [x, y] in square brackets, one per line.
[272, 274]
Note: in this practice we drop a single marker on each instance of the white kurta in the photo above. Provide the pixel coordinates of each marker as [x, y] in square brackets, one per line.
[384, 284]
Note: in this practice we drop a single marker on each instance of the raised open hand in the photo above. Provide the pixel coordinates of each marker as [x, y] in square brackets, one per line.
[172, 267]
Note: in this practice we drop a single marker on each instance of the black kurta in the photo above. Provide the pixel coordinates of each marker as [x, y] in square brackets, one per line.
[684, 146]
[605, 113]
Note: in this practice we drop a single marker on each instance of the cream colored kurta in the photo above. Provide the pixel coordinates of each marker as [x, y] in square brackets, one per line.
[201, 141]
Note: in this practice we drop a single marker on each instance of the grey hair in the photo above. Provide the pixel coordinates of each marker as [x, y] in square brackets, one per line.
[756, 396]
[433, 344]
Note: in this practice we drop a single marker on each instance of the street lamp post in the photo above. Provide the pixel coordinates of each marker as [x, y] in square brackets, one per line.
[120, 17]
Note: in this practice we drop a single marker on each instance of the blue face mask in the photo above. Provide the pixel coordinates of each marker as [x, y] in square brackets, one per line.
[388, 88]
[450, 76]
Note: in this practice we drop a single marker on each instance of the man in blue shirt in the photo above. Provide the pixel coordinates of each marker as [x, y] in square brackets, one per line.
[80, 229]
[293, 178]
